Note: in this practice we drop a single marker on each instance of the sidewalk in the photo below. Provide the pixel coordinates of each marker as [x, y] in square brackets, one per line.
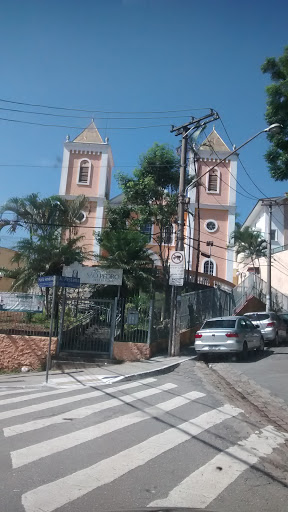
[79, 376]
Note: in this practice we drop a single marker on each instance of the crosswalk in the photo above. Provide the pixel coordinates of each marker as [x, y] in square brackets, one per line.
[117, 430]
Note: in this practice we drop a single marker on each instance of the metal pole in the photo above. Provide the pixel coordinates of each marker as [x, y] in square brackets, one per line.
[268, 291]
[48, 360]
[181, 200]
[61, 322]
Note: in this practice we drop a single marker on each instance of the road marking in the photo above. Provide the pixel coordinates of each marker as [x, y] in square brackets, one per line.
[77, 377]
[30, 397]
[204, 485]
[58, 444]
[49, 497]
[83, 411]
[15, 390]
[63, 401]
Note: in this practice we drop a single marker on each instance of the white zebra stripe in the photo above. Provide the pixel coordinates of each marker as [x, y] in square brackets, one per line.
[82, 412]
[204, 485]
[16, 390]
[54, 495]
[62, 401]
[58, 444]
[30, 397]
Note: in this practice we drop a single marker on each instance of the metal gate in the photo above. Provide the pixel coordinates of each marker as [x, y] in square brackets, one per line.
[87, 325]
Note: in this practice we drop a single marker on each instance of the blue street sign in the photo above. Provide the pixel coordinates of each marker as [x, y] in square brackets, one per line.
[68, 282]
[61, 281]
[46, 281]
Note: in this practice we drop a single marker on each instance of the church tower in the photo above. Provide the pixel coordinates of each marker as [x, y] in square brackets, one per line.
[212, 208]
[86, 169]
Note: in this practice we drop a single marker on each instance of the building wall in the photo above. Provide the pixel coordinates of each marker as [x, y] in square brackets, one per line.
[5, 261]
[74, 188]
[279, 271]
[223, 194]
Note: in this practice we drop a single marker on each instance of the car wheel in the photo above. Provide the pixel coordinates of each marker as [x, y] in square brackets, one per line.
[261, 347]
[245, 351]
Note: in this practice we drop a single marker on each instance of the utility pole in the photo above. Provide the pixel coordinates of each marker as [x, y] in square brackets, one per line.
[184, 130]
[269, 203]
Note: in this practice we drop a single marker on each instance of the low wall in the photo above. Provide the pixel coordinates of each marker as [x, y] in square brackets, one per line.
[128, 351]
[17, 351]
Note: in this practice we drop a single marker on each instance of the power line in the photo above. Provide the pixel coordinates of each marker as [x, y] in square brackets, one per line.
[88, 117]
[244, 168]
[102, 111]
[81, 127]
[229, 185]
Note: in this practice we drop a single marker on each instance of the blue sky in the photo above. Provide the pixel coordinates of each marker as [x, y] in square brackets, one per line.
[133, 55]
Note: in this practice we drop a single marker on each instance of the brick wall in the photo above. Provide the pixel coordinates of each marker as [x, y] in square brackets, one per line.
[127, 351]
[17, 351]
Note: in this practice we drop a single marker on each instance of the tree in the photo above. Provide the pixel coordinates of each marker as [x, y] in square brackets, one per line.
[248, 243]
[52, 242]
[151, 197]
[277, 112]
[126, 248]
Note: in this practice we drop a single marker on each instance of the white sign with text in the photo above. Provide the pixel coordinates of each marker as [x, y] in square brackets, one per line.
[94, 275]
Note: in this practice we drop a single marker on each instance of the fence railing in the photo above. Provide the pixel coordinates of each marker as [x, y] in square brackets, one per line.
[26, 324]
[253, 285]
[197, 306]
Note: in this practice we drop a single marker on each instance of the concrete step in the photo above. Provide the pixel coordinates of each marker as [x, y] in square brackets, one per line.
[70, 360]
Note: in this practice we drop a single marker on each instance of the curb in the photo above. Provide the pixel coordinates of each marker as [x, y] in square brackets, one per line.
[267, 404]
[149, 373]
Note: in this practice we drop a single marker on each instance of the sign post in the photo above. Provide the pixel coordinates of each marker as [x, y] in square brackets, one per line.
[48, 362]
[177, 268]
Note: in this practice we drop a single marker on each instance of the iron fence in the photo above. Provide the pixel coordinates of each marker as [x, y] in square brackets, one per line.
[197, 306]
[24, 323]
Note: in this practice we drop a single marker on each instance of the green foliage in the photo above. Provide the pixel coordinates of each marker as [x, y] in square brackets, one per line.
[277, 112]
[151, 194]
[249, 243]
[126, 249]
[45, 251]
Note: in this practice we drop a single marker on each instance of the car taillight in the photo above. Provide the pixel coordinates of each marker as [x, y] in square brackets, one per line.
[232, 335]
[271, 324]
[198, 335]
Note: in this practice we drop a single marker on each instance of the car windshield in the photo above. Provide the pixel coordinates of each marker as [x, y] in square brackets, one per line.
[219, 324]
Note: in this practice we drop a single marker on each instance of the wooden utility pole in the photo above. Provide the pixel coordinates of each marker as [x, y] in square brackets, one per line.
[269, 203]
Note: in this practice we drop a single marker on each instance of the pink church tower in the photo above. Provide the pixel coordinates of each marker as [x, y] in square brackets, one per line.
[86, 169]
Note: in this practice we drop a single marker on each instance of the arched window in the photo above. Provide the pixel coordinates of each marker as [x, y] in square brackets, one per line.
[168, 234]
[213, 181]
[84, 172]
[209, 267]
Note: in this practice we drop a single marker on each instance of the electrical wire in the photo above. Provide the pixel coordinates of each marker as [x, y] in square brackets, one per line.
[229, 185]
[241, 163]
[103, 111]
[88, 117]
[81, 127]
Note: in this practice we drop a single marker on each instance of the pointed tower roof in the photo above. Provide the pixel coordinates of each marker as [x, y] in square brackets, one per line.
[214, 141]
[90, 134]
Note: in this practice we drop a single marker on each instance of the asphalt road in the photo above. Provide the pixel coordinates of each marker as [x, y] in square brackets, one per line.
[269, 371]
[172, 440]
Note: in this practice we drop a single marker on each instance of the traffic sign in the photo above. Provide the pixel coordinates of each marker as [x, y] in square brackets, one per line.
[177, 268]
[61, 281]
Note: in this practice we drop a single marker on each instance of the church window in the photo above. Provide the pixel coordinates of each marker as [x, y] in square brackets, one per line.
[213, 181]
[84, 172]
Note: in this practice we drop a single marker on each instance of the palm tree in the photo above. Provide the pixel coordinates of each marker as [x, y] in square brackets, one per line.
[51, 224]
[248, 243]
[126, 249]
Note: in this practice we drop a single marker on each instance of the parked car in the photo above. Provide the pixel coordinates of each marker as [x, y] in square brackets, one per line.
[272, 326]
[227, 335]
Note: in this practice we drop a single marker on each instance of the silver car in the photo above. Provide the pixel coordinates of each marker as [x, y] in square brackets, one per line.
[228, 334]
[272, 326]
